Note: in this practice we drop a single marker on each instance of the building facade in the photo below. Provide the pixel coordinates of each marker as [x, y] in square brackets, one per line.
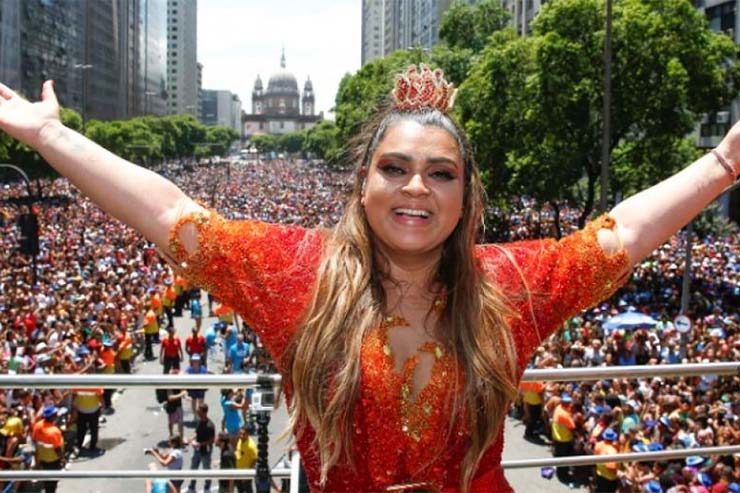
[281, 108]
[182, 57]
[373, 37]
[222, 108]
[390, 25]
[107, 57]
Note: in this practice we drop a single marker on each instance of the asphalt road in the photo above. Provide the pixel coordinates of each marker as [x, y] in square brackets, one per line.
[139, 422]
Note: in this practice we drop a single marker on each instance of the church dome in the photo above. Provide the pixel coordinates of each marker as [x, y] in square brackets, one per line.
[282, 82]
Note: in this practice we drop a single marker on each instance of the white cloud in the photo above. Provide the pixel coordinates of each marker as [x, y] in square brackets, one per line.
[238, 39]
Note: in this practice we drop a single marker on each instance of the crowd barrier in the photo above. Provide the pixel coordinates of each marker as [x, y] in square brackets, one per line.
[221, 381]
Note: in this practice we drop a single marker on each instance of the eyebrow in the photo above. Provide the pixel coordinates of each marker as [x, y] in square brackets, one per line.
[407, 158]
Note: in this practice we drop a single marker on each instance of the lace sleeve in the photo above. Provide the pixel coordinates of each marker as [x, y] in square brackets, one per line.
[549, 281]
[264, 271]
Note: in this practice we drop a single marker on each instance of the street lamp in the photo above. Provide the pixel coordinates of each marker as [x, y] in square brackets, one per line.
[84, 67]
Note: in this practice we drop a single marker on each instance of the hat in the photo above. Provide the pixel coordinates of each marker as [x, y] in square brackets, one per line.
[609, 434]
[665, 421]
[49, 412]
[12, 427]
[653, 487]
[107, 343]
[649, 423]
[633, 404]
[565, 398]
[40, 347]
[734, 487]
[655, 447]
[195, 357]
[694, 460]
[639, 447]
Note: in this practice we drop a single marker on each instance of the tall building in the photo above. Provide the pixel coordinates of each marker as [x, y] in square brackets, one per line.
[390, 25]
[200, 91]
[10, 38]
[373, 39]
[281, 108]
[723, 17]
[222, 108]
[107, 57]
[182, 57]
[523, 13]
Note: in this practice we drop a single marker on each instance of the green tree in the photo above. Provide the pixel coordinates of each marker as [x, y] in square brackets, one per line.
[265, 143]
[321, 141]
[222, 137]
[467, 26]
[291, 142]
[532, 106]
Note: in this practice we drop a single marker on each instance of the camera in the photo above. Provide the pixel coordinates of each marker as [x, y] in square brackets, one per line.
[263, 397]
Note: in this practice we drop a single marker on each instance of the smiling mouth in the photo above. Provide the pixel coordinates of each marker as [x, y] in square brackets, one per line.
[412, 213]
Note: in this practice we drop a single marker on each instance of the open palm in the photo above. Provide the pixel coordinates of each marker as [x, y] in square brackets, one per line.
[22, 119]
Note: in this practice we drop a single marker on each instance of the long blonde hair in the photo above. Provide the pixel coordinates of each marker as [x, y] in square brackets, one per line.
[323, 361]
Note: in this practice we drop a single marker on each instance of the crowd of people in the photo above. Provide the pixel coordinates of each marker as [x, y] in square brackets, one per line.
[100, 295]
[650, 414]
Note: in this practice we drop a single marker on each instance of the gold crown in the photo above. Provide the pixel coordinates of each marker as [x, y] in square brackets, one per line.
[421, 88]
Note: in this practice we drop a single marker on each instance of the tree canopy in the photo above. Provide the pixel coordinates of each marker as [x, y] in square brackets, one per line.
[532, 105]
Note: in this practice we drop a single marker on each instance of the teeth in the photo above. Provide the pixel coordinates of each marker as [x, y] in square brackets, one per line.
[412, 212]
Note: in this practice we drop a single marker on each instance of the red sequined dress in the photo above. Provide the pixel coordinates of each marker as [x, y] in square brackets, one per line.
[266, 273]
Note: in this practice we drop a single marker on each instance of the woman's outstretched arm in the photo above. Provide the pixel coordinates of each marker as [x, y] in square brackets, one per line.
[647, 219]
[139, 197]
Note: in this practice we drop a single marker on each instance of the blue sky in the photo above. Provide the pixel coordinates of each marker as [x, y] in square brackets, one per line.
[238, 39]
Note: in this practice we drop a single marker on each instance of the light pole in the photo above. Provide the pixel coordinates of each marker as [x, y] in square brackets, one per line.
[606, 136]
[84, 67]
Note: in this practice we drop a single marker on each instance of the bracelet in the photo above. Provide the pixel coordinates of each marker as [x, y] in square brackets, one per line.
[723, 162]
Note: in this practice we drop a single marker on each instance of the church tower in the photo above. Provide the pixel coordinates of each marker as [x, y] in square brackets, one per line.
[257, 96]
[308, 98]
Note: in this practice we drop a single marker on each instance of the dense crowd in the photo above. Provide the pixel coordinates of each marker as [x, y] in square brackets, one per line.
[102, 295]
[621, 415]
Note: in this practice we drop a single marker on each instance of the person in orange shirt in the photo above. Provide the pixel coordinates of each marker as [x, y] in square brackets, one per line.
[151, 328]
[532, 400]
[108, 366]
[181, 290]
[606, 473]
[125, 350]
[563, 425]
[49, 445]
[168, 301]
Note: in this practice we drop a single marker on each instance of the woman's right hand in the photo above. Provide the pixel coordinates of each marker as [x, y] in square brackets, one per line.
[24, 120]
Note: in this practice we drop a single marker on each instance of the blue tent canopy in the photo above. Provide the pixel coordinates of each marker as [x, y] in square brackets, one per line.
[630, 320]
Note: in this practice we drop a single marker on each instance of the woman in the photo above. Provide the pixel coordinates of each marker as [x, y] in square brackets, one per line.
[233, 403]
[400, 341]
[172, 459]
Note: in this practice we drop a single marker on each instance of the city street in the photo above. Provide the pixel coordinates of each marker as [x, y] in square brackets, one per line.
[139, 422]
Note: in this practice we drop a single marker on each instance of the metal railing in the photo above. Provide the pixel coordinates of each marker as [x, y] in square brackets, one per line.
[221, 381]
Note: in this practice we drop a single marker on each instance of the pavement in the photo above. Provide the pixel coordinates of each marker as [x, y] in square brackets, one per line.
[140, 422]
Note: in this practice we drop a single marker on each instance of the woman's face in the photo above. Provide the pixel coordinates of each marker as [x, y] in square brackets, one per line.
[413, 196]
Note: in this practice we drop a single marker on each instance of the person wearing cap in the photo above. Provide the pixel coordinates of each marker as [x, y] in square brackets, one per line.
[606, 479]
[653, 487]
[151, 329]
[563, 426]
[196, 368]
[49, 445]
[107, 360]
[170, 351]
[630, 418]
